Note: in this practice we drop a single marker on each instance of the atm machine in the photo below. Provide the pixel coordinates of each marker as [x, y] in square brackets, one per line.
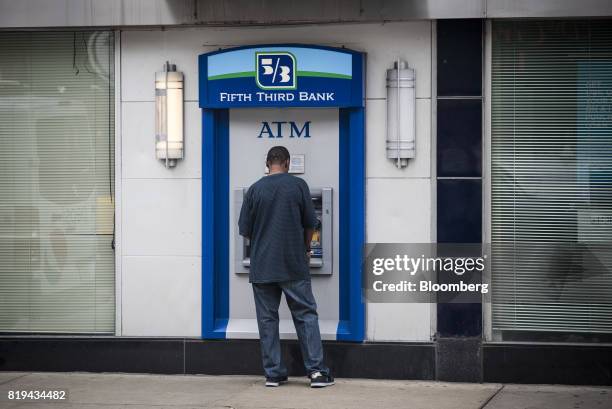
[310, 100]
[322, 239]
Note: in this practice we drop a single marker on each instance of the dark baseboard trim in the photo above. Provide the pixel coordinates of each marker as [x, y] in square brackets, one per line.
[223, 357]
[569, 364]
[451, 359]
[145, 355]
[459, 359]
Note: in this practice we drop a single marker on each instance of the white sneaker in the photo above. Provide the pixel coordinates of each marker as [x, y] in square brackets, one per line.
[273, 382]
[319, 380]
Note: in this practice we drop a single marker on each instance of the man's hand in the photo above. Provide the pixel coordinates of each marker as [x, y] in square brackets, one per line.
[308, 238]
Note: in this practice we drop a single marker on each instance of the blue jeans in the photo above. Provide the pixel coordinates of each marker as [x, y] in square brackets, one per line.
[303, 308]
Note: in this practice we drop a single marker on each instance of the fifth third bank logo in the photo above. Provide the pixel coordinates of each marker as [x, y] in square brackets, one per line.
[276, 70]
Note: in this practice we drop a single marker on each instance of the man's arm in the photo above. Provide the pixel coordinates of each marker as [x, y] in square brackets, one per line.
[245, 221]
[309, 217]
[308, 232]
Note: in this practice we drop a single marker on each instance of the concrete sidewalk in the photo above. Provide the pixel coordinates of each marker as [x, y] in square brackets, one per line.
[110, 390]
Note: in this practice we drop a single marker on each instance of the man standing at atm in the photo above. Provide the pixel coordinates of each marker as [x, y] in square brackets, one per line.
[278, 218]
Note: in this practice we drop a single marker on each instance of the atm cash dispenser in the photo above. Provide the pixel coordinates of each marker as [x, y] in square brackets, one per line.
[310, 100]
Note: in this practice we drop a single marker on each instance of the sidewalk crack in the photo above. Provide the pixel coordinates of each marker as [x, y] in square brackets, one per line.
[13, 379]
[486, 403]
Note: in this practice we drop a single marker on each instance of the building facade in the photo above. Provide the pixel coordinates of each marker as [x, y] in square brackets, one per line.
[108, 256]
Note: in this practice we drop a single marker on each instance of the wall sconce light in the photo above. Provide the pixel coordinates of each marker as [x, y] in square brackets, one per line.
[401, 127]
[169, 115]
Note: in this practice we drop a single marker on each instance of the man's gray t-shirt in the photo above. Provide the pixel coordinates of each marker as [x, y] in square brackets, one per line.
[275, 211]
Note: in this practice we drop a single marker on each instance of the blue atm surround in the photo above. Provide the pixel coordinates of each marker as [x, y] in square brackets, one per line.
[330, 72]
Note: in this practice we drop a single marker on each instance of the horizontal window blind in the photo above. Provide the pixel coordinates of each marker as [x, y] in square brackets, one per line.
[551, 181]
[56, 182]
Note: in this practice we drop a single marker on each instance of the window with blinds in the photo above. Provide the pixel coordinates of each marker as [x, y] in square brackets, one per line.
[57, 271]
[551, 179]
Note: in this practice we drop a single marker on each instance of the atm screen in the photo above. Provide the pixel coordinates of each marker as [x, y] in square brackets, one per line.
[316, 242]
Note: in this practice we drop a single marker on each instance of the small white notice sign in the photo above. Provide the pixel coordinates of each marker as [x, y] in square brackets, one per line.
[297, 164]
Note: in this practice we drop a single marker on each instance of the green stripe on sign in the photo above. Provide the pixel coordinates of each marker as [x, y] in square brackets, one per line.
[323, 75]
[232, 75]
[300, 74]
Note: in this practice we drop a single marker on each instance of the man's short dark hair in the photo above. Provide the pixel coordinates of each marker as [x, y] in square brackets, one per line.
[277, 155]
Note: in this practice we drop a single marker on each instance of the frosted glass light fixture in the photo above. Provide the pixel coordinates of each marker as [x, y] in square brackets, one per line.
[169, 115]
[401, 127]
